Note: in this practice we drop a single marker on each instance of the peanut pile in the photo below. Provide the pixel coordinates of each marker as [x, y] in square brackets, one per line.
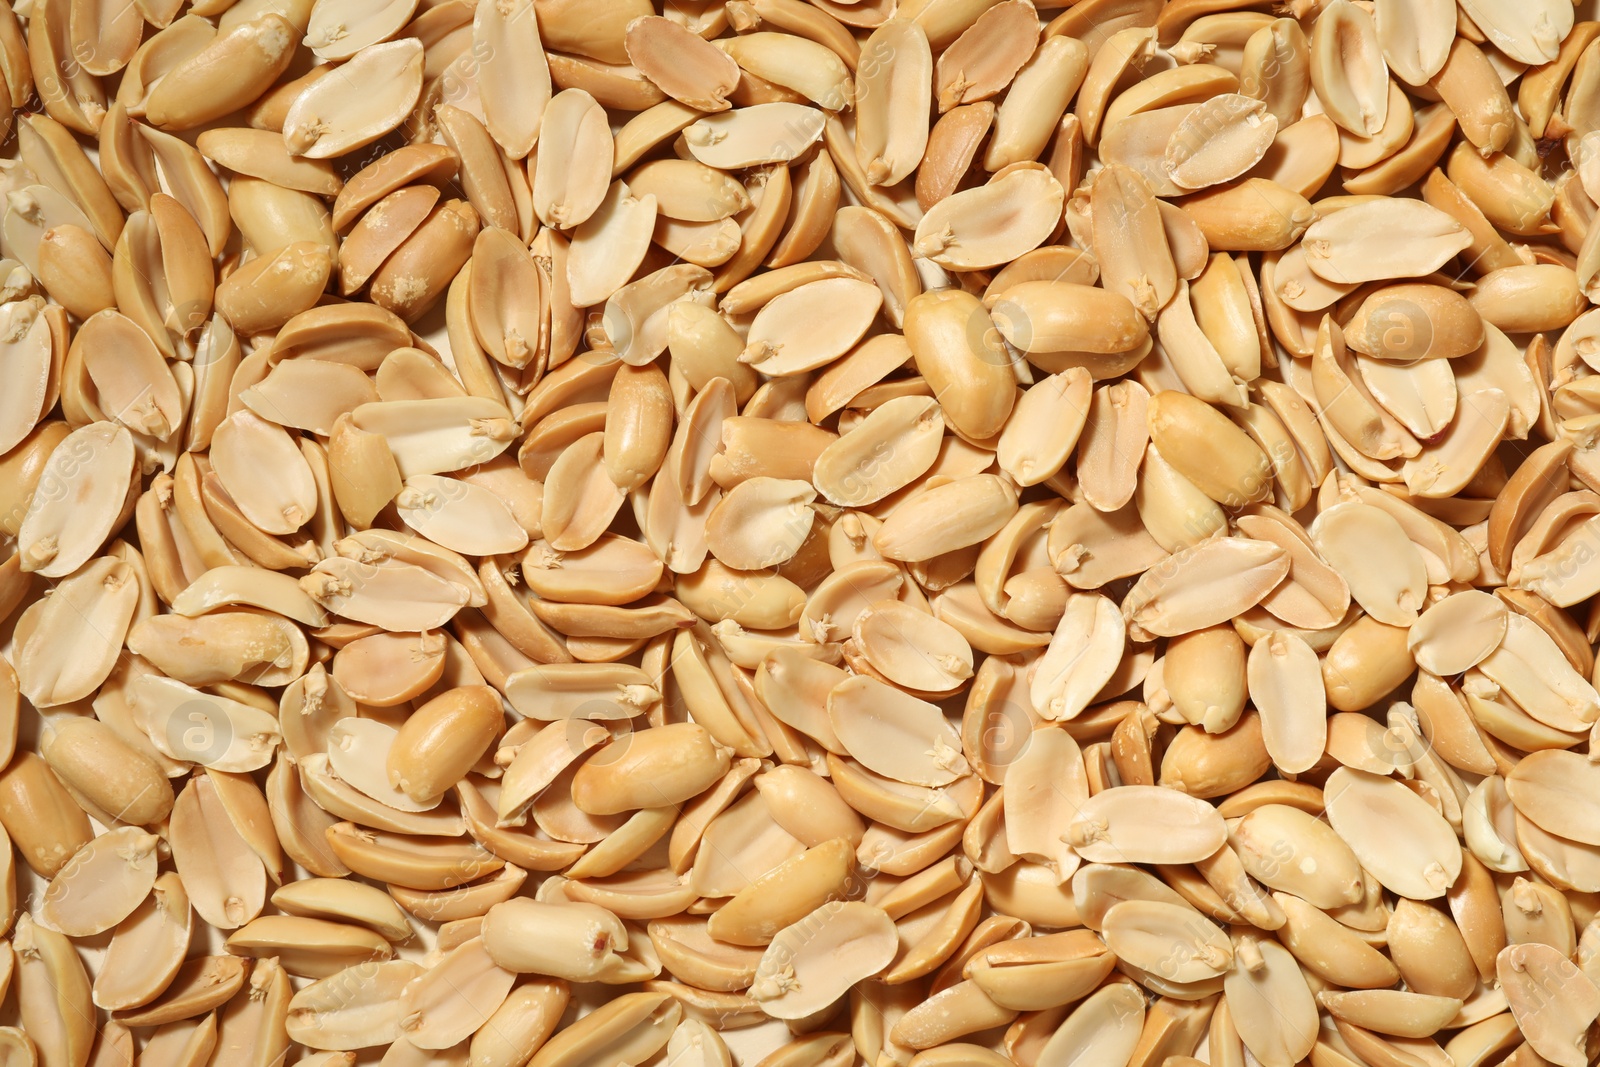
[799, 533]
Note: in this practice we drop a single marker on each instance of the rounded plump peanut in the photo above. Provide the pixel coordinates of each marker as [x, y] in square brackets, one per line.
[1365, 662]
[92, 759]
[40, 815]
[1217, 764]
[567, 940]
[1208, 449]
[650, 769]
[956, 349]
[442, 739]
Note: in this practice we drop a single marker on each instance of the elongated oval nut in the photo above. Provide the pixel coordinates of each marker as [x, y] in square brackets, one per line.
[1419, 858]
[1347, 68]
[1208, 449]
[883, 728]
[1346, 534]
[1413, 321]
[1106, 1023]
[1219, 140]
[638, 425]
[1039, 95]
[685, 67]
[1424, 238]
[272, 289]
[1289, 849]
[652, 769]
[1084, 650]
[785, 895]
[772, 345]
[93, 759]
[893, 446]
[40, 815]
[102, 883]
[223, 876]
[202, 984]
[1366, 661]
[342, 899]
[755, 135]
[1457, 633]
[413, 278]
[1286, 686]
[1211, 765]
[453, 1000]
[581, 690]
[222, 647]
[913, 649]
[522, 1024]
[157, 935]
[138, 389]
[1550, 792]
[812, 962]
[949, 334]
[1171, 940]
[633, 1027]
[322, 122]
[1204, 585]
[1062, 316]
[1116, 825]
[1391, 1011]
[1046, 425]
[1205, 675]
[1553, 1024]
[976, 228]
[441, 741]
[1522, 299]
[388, 669]
[230, 73]
[1230, 216]
[87, 475]
[514, 76]
[1415, 39]
[393, 595]
[761, 522]
[411, 861]
[563, 939]
[71, 649]
[53, 993]
[1032, 973]
[349, 1009]
[943, 519]
[1269, 1002]
[574, 130]
[793, 62]
[894, 90]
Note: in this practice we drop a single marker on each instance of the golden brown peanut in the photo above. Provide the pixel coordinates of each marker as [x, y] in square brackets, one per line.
[1208, 449]
[1232, 219]
[76, 270]
[270, 290]
[441, 741]
[955, 350]
[1214, 765]
[229, 74]
[652, 769]
[40, 815]
[1365, 662]
[362, 471]
[1468, 84]
[89, 757]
